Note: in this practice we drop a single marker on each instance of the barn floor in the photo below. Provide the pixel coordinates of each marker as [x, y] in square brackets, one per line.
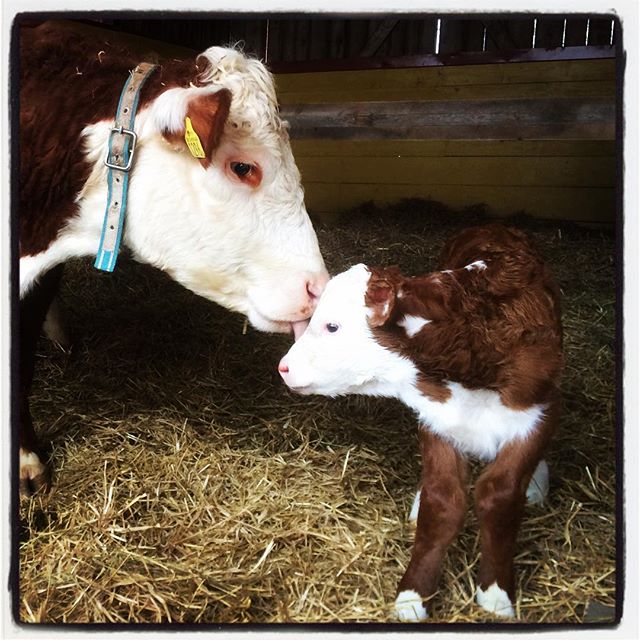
[192, 486]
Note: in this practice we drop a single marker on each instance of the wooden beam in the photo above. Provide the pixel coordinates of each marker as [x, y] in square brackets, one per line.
[377, 38]
[446, 59]
[585, 118]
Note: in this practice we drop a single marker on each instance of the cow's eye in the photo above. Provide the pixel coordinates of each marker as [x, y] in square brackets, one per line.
[332, 327]
[241, 169]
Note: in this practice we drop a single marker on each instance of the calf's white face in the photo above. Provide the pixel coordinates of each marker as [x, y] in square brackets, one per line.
[337, 353]
[232, 227]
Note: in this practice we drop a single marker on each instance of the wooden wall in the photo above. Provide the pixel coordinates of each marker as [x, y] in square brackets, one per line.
[532, 137]
[563, 169]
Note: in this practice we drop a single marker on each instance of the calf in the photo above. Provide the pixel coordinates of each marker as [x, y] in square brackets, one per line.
[214, 196]
[475, 349]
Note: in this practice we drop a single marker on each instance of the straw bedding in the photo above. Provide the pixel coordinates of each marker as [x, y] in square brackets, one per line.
[192, 486]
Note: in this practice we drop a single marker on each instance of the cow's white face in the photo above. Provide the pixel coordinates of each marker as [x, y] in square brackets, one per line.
[337, 354]
[231, 227]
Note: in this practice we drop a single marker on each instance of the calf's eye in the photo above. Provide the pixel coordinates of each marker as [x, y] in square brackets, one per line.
[332, 327]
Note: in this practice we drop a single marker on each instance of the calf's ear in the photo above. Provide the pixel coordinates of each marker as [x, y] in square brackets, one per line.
[197, 122]
[380, 299]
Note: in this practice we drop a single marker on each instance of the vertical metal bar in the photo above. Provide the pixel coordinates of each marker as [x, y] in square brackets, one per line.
[564, 32]
[613, 26]
[437, 44]
[586, 34]
[484, 38]
[535, 29]
[266, 44]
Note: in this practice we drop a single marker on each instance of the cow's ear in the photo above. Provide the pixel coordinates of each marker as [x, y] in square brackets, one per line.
[380, 298]
[202, 123]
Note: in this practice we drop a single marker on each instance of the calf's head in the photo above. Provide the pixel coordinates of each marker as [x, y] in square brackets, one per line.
[373, 327]
[230, 222]
[339, 352]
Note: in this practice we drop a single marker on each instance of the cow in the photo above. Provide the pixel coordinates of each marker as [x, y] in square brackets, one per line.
[224, 215]
[475, 349]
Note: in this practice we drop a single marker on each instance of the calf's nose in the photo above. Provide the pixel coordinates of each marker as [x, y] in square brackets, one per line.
[283, 367]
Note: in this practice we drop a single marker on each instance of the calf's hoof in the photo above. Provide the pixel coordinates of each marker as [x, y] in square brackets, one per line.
[34, 475]
[409, 607]
[495, 600]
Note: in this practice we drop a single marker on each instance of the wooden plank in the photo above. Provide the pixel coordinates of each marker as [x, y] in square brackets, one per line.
[591, 118]
[357, 35]
[356, 149]
[492, 74]
[287, 29]
[557, 203]
[470, 92]
[336, 42]
[487, 171]
[318, 39]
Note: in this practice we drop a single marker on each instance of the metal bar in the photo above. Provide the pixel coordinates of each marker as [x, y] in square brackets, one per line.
[613, 26]
[535, 29]
[484, 38]
[437, 43]
[586, 35]
[564, 32]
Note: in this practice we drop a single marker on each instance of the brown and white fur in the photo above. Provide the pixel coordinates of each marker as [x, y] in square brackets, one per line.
[475, 349]
[230, 226]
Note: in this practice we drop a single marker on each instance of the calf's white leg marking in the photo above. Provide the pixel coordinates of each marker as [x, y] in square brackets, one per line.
[415, 507]
[409, 607]
[495, 600]
[538, 488]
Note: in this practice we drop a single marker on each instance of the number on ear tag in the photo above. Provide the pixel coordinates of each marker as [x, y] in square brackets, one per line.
[192, 139]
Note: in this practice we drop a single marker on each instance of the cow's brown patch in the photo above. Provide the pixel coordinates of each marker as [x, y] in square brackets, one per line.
[68, 81]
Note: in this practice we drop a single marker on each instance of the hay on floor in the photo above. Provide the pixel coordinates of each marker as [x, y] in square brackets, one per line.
[192, 486]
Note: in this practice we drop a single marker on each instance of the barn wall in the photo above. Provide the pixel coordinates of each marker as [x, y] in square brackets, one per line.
[564, 173]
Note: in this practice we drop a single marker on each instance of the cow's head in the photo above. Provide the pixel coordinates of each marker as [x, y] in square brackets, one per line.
[230, 225]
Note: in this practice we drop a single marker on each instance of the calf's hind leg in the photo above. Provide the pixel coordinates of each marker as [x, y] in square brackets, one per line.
[500, 495]
[440, 517]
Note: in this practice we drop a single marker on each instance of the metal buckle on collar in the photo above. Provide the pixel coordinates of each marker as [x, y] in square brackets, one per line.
[133, 137]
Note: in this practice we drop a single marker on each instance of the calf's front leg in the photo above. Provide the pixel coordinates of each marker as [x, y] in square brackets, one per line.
[440, 518]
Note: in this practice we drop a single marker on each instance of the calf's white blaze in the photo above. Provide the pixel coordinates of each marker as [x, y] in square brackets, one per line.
[350, 360]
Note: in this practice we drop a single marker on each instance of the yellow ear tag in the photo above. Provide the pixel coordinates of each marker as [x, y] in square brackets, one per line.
[192, 140]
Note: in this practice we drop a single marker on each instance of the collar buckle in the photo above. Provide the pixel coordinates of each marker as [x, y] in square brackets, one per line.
[119, 149]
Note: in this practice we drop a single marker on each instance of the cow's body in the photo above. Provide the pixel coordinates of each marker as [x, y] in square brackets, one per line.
[476, 350]
[230, 226]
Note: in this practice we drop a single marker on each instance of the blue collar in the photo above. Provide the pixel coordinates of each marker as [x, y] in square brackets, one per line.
[119, 160]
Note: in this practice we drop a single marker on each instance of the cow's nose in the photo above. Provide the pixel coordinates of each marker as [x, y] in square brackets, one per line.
[316, 285]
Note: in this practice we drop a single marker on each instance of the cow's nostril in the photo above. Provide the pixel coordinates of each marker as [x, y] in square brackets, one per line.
[283, 368]
[312, 290]
[316, 286]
